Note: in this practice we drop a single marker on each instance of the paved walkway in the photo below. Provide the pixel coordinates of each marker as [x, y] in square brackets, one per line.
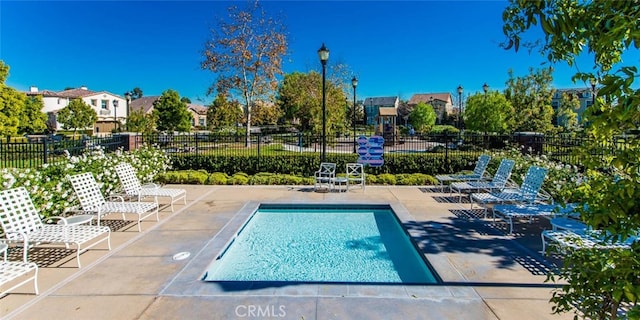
[487, 274]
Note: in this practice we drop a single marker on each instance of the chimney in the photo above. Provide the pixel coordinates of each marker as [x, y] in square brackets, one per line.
[84, 87]
[33, 89]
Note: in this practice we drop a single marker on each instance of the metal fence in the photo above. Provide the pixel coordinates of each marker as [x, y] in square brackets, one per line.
[37, 151]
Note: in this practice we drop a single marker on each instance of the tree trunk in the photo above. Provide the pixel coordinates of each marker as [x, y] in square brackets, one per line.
[247, 140]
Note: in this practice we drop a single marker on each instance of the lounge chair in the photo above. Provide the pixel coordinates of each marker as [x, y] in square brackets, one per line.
[529, 191]
[477, 175]
[498, 182]
[93, 202]
[325, 176]
[133, 188]
[22, 224]
[586, 239]
[355, 175]
[16, 273]
[530, 211]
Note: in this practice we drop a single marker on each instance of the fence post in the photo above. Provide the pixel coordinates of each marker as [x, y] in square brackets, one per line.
[45, 150]
[300, 141]
[258, 157]
[446, 150]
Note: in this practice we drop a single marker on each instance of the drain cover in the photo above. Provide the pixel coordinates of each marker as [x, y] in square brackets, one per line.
[181, 255]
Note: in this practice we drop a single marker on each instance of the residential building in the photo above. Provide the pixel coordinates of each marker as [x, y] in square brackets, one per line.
[198, 115]
[198, 112]
[442, 103]
[372, 107]
[110, 108]
[585, 96]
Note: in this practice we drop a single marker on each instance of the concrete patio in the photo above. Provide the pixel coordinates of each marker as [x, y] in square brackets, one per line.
[486, 273]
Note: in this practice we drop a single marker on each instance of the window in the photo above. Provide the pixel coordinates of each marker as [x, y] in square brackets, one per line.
[94, 102]
[202, 124]
[104, 104]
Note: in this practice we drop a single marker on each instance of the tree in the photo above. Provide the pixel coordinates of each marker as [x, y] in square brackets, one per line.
[32, 119]
[77, 115]
[136, 93]
[598, 281]
[265, 113]
[138, 121]
[171, 113]
[223, 113]
[423, 117]
[11, 104]
[185, 100]
[531, 97]
[299, 98]
[246, 52]
[567, 114]
[488, 112]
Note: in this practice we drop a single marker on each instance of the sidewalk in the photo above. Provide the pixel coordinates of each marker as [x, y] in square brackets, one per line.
[487, 274]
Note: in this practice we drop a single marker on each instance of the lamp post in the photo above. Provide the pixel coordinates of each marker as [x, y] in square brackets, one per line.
[127, 97]
[115, 114]
[323, 54]
[354, 83]
[593, 90]
[485, 88]
[460, 89]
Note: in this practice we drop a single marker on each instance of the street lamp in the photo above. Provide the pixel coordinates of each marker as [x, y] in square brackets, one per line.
[593, 90]
[323, 54]
[115, 114]
[354, 83]
[460, 89]
[485, 88]
[127, 97]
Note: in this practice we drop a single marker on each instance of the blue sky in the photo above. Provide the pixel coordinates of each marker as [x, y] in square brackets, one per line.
[394, 48]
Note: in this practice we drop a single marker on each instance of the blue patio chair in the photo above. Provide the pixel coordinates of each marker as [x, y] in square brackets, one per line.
[477, 175]
[533, 210]
[498, 182]
[530, 191]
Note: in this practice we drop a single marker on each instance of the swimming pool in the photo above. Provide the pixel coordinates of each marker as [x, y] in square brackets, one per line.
[343, 243]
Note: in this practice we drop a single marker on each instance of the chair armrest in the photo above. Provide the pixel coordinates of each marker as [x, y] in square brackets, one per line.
[150, 185]
[51, 219]
[115, 197]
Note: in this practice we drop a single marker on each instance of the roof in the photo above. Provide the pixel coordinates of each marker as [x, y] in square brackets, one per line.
[144, 103]
[426, 97]
[76, 93]
[199, 109]
[388, 111]
[381, 101]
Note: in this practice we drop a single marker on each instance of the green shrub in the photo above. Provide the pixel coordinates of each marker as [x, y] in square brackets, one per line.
[218, 178]
[387, 178]
[239, 178]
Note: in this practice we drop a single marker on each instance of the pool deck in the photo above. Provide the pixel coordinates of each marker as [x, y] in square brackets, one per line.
[486, 273]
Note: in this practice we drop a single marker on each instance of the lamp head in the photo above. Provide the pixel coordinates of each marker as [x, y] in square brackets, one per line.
[354, 82]
[115, 103]
[460, 89]
[323, 54]
[485, 87]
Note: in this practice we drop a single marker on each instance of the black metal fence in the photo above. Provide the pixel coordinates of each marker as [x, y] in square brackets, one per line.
[37, 151]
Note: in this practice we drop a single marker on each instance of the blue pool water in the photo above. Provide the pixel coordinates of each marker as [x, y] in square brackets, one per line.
[341, 243]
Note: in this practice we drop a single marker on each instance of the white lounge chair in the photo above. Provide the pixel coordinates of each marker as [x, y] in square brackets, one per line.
[93, 202]
[530, 211]
[133, 188]
[528, 192]
[22, 224]
[477, 175]
[325, 176]
[498, 182]
[355, 175]
[16, 273]
[586, 239]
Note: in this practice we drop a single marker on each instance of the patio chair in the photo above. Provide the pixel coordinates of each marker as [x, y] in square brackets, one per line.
[325, 176]
[15, 271]
[21, 223]
[532, 210]
[585, 239]
[133, 188]
[530, 191]
[355, 175]
[477, 175]
[93, 202]
[498, 182]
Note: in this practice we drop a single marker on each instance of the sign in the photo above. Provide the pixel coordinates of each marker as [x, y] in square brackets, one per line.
[370, 151]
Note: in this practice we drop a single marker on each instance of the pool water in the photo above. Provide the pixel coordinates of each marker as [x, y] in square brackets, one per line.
[327, 243]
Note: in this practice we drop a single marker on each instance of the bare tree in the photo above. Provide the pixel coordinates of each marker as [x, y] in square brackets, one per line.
[246, 51]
